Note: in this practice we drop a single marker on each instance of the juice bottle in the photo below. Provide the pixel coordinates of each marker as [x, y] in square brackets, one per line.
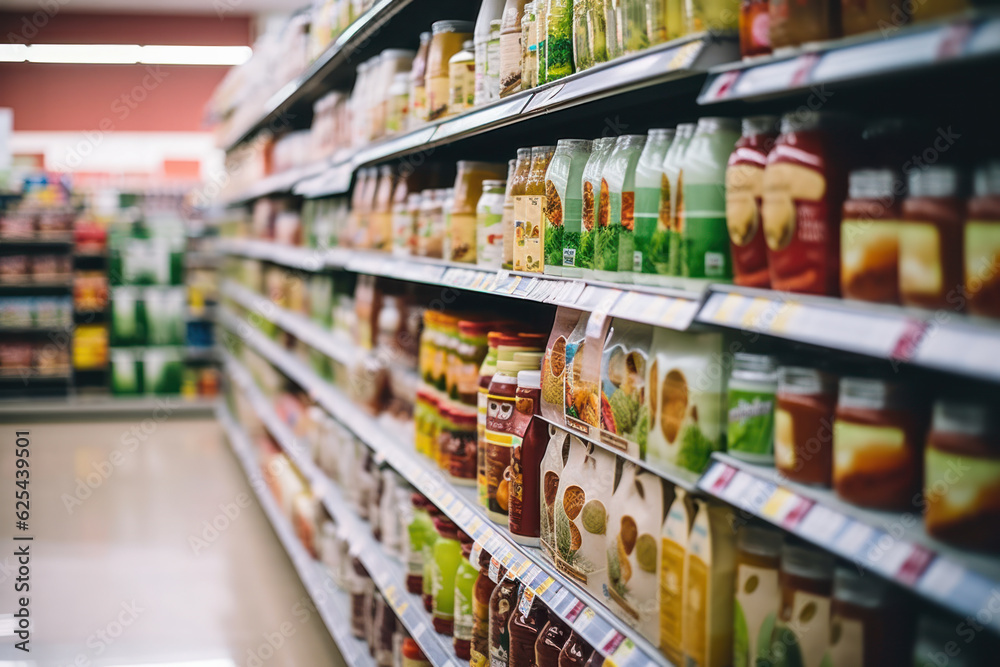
[465, 583]
[550, 641]
[514, 204]
[502, 602]
[482, 590]
[525, 621]
[447, 554]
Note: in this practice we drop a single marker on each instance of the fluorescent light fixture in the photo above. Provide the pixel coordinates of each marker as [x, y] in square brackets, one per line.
[125, 54]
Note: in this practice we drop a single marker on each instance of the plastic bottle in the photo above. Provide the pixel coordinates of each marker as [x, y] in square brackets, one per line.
[502, 602]
[482, 590]
[510, 47]
[489, 11]
[444, 568]
[526, 619]
[465, 581]
[550, 641]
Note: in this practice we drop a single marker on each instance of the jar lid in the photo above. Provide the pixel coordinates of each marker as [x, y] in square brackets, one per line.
[492, 184]
[507, 371]
[939, 180]
[523, 153]
[538, 151]
[425, 37]
[987, 179]
[803, 380]
[411, 651]
[468, 45]
[477, 164]
[385, 170]
[419, 500]
[805, 562]
[686, 130]
[661, 133]
[529, 358]
[585, 144]
[508, 339]
[464, 415]
[531, 339]
[529, 379]
[439, 27]
[755, 125]
[708, 124]
[445, 527]
[868, 393]
[475, 328]
[398, 54]
[759, 363]
[872, 184]
[851, 587]
[401, 78]
[965, 417]
[760, 541]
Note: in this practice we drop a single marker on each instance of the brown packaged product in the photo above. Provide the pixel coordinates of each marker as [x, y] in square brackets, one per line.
[554, 364]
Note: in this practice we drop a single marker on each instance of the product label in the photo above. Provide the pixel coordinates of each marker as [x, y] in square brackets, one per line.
[499, 440]
[920, 265]
[493, 69]
[810, 625]
[569, 257]
[489, 239]
[510, 63]
[784, 440]
[517, 236]
[868, 450]
[751, 422]
[555, 215]
[462, 83]
[528, 232]
[437, 97]
[847, 643]
[757, 605]
[463, 237]
[463, 615]
[869, 259]
[982, 266]
[418, 102]
[744, 190]
[647, 204]
[481, 409]
[705, 238]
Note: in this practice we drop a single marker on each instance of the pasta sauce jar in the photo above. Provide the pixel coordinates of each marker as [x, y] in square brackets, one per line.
[803, 424]
[877, 434]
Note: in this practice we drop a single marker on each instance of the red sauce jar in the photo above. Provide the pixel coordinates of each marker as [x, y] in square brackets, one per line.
[803, 424]
[982, 243]
[755, 28]
[869, 238]
[805, 184]
[795, 22]
[962, 475]
[930, 239]
[461, 449]
[744, 193]
[878, 434]
[867, 626]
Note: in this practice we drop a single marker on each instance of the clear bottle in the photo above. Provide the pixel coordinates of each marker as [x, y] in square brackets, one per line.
[419, 532]
[564, 203]
[462, 79]
[612, 30]
[613, 251]
[648, 192]
[529, 230]
[465, 581]
[541, 18]
[529, 47]
[510, 47]
[489, 11]
[493, 62]
[468, 190]
[632, 25]
[489, 225]
[515, 190]
[704, 245]
[399, 103]
[558, 54]
[583, 253]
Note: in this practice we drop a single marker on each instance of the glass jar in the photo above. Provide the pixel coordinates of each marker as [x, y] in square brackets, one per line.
[805, 184]
[493, 62]
[515, 190]
[877, 435]
[794, 22]
[499, 430]
[558, 55]
[615, 243]
[564, 203]
[461, 452]
[632, 26]
[465, 582]
[402, 225]
[965, 435]
[529, 246]
[648, 191]
[583, 254]
[489, 224]
[486, 372]
[468, 190]
[930, 238]
[744, 194]
[867, 629]
[982, 243]
[399, 103]
[589, 38]
[803, 425]
[462, 79]
[755, 28]
[511, 49]
[431, 226]
[529, 47]
[752, 389]
[869, 237]
[418, 84]
[758, 594]
[446, 40]
[806, 581]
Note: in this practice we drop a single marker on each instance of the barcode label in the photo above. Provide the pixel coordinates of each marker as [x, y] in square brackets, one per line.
[637, 261]
[569, 257]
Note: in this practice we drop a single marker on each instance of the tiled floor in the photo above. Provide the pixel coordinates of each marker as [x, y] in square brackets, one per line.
[116, 576]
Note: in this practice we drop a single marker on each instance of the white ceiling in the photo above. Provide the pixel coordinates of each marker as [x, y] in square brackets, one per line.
[166, 6]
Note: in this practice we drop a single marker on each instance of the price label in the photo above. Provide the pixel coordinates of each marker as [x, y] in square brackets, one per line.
[527, 597]
[821, 524]
[943, 576]
[477, 549]
[785, 317]
[726, 310]
[587, 617]
[544, 586]
[575, 611]
[494, 572]
[854, 538]
[672, 314]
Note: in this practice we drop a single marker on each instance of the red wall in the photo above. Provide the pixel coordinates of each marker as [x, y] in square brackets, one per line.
[134, 98]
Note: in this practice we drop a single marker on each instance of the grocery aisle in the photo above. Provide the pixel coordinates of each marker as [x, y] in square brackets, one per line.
[128, 553]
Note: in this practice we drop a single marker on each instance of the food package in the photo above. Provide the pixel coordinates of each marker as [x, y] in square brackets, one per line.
[673, 552]
[550, 471]
[709, 579]
[554, 364]
[624, 408]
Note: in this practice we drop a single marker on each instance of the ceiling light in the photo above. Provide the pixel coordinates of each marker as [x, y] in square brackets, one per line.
[125, 54]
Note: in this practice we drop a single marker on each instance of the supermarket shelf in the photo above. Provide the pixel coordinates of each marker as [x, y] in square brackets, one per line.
[577, 607]
[307, 87]
[331, 344]
[279, 183]
[387, 575]
[922, 47]
[35, 331]
[891, 544]
[201, 352]
[671, 308]
[38, 241]
[104, 407]
[935, 339]
[33, 288]
[333, 605]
